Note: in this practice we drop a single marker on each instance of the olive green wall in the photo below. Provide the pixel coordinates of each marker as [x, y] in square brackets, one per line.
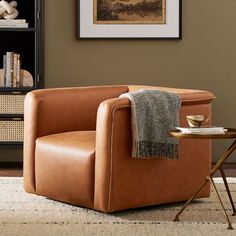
[204, 59]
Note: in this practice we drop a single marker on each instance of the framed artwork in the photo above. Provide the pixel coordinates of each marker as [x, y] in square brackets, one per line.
[129, 19]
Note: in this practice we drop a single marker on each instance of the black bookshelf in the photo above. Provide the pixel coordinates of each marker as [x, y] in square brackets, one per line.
[29, 43]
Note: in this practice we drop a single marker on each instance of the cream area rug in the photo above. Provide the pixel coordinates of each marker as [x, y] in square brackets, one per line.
[26, 214]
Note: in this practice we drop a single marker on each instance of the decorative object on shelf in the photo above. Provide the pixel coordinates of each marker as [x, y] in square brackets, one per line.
[196, 120]
[11, 75]
[11, 70]
[17, 23]
[8, 10]
[26, 79]
[129, 19]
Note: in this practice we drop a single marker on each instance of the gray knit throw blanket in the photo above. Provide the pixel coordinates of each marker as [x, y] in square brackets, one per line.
[153, 114]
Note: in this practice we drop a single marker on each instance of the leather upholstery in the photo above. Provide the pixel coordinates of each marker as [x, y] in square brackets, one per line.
[65, 167]
[123, 182]
[188, 96]
[64, 161]
[51, 111]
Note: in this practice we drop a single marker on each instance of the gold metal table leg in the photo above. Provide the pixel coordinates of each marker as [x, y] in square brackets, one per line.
[190, 200]
[218, 195]
[223, 158]
[217, 166]
[228, 191]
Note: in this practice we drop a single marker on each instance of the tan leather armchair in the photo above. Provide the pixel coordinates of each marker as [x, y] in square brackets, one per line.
[77, 149]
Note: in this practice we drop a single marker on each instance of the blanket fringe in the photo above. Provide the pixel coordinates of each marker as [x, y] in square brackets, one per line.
[146, 149]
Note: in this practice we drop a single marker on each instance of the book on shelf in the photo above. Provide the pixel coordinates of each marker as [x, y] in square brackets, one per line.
[12, 70]
[8, 73]
[202, 130]
[12, 21]
[18, 72]
[16, 23]
[4, 70]
[23, 25]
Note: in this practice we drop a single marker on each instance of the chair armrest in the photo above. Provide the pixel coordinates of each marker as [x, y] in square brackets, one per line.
[123, 182]
[106, 119]
[51, 111]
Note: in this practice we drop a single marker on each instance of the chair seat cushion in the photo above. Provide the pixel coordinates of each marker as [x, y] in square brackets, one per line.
[64, 167]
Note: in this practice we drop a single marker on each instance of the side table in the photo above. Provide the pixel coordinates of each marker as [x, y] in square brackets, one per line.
[230, 134]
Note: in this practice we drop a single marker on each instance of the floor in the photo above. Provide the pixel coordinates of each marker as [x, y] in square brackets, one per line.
[11, 172]
[230, 171]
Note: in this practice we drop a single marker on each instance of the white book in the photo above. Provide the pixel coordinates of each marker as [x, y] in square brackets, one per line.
[204, 130]
[20, 25]
[15, 56]
[18, 71]
[23, 25]
[9, 61]
[12, 21]
[5, 69]
[207, 133]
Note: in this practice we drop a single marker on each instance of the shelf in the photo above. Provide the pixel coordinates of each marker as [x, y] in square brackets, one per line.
[7, 164]
[5, 145]
[18, 89]
[19, 29]
[5, 116]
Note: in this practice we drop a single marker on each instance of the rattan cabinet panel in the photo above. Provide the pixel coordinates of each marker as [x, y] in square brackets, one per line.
[12, 118]
[12, 103]
[12, 130]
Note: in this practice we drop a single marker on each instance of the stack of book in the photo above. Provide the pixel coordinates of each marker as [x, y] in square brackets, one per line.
[12, 70]
[203, 130]
[16, 23]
